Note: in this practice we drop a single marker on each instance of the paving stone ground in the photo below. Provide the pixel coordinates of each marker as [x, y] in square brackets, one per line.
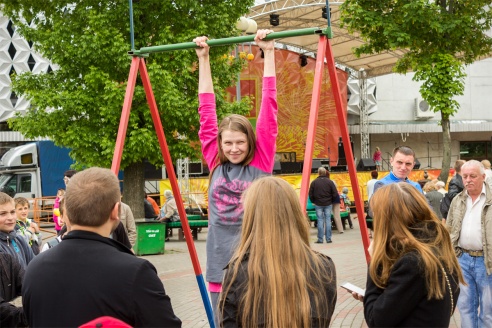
[175, 269]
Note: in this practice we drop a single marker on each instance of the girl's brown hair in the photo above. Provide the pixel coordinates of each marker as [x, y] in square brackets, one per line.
[404, 222]
[282, 269]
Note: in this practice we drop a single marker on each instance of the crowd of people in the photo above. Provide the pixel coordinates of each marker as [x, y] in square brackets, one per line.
[431, 251]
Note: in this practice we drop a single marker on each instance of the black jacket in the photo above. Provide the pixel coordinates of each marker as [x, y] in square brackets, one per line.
[88, 276]
[322, 191]
[232, 310]
[403, 303]
[119, 234]
[455, 186]
[11, 275]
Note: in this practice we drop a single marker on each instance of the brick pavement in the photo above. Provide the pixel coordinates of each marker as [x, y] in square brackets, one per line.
[175, 269]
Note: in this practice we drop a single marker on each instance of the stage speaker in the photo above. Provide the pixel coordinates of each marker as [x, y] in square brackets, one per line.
[366, 164]
[206, 171]
[339, 168]
[325, 162]
[316, 164]
[341, 151]
[291, 167]
[342, 161]
[151, 172]
[195, 168]
[417, 164]
[277, 169]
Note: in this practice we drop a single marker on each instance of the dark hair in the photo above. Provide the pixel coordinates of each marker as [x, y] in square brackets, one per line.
[374, 174]
[69, 173]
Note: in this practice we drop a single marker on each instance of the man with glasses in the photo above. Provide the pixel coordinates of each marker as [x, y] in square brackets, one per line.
[89, 275]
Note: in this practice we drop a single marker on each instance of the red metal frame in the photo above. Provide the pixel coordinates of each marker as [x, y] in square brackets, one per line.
[325, 51]
[138, 65]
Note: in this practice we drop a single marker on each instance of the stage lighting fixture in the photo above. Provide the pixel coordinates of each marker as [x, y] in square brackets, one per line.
[274, 19]
[323, 12]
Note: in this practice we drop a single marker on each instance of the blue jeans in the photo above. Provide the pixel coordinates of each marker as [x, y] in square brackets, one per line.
[323, 213]
[477, 294]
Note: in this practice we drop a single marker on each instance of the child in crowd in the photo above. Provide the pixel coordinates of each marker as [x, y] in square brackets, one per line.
[10, 241]
[56, 210]
[235, 157]
[345, 205]
[26, 227]
[274, 278]
[63, 231]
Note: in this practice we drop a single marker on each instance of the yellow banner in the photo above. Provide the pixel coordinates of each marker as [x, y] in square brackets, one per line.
[199, 186]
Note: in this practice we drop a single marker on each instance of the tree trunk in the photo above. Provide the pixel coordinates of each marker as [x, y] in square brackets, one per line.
[446, 145]
[133, 189]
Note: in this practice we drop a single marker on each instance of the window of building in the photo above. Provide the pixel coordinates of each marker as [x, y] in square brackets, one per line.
[477, 150]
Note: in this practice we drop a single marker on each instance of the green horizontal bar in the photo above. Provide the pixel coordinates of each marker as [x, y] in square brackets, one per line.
[228, 41]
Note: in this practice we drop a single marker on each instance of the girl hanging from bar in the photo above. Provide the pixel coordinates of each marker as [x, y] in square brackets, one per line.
[235, 157]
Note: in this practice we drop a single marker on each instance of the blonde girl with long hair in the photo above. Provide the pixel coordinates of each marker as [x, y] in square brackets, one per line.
[414, 273]
[274, 278]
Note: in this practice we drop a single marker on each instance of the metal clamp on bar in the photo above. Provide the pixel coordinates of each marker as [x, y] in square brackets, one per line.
[228, 41]
[138, 54]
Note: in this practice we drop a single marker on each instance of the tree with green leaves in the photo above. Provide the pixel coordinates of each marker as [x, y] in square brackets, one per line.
[440, 37]
[78, 105]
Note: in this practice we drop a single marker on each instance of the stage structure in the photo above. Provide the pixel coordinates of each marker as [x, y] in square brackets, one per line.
[324, 52]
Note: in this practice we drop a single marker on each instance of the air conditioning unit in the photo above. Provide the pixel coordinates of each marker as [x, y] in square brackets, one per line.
[423, 111]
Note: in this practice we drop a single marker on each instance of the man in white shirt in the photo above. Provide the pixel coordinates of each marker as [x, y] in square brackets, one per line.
[470, 223]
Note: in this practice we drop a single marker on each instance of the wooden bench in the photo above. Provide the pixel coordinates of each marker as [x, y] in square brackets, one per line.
[344, 215]
[194, 226]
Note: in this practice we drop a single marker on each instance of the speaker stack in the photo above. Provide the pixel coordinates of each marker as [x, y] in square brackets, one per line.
[366, 164]
[277, 167]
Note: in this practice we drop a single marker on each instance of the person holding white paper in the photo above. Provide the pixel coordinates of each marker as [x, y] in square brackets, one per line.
[414, 274]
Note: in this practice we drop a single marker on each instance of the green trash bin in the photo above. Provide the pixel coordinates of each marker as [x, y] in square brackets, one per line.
[150, 238]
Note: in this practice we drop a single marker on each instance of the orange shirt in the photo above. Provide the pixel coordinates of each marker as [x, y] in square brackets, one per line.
[154, 205]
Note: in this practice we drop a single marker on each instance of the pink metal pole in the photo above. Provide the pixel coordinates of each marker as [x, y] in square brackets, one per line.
[348, 149]
[313, 122]
[125, 116]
